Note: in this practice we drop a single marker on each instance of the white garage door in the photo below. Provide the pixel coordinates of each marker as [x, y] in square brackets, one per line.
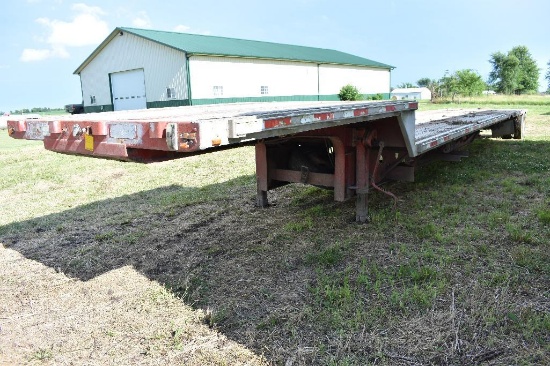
[128, 90]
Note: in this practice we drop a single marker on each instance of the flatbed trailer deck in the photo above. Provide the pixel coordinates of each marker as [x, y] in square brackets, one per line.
[346, 146]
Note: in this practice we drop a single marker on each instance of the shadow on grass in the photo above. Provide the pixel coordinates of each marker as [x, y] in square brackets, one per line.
[155, 231]
[221, 254]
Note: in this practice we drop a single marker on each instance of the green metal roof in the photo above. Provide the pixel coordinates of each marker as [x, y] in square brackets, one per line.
[195, 44]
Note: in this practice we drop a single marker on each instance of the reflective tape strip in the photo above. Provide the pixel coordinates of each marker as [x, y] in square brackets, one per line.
[277, 122]
[360, 112]
[323, 116]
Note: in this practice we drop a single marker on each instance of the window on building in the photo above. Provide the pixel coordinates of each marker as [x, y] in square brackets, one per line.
[92, 99]
[170, 93]
[264, 90]
[218, 90]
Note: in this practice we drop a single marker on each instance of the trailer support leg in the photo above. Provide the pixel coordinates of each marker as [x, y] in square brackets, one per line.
[261, 174]
[339, 169]
[362, 187]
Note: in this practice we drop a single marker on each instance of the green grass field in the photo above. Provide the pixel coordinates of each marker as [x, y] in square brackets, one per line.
[458, 274]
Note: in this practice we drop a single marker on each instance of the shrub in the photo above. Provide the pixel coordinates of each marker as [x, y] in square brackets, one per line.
[349, 92]
[376, 97]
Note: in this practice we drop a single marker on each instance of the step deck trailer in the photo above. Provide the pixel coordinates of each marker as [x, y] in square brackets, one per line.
[350, 147]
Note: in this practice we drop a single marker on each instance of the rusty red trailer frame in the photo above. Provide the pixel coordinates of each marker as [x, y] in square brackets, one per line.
[346, 146]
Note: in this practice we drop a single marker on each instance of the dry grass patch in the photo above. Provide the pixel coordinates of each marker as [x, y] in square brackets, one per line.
[117, 318]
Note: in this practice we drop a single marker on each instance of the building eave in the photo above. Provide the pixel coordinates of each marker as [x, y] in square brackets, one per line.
[285, 60]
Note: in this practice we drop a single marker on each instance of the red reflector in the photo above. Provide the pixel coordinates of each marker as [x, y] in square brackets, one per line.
[360, 112]
[433, 143]
[413, 105]
[324, 116]
[390, 108]
[277, 122]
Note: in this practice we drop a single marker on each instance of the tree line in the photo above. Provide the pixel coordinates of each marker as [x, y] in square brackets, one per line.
[514, 72]
[31, 110]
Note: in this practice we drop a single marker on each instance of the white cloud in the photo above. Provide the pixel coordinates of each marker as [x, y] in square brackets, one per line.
[86, 28]
[186, 29]
[181, 28]
[83, 8]
[142, 20]
[32, 54]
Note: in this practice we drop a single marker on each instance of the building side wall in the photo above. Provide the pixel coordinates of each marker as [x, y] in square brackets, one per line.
[413, 95]
[244, 78]
[425, 94]
[163, 67]
[408, 95]
[369, 81]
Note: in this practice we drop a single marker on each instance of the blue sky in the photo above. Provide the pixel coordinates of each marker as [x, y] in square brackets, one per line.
[44, 41]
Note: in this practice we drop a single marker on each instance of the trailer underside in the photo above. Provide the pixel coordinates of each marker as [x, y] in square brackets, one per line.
[348, 147]
[360, 157]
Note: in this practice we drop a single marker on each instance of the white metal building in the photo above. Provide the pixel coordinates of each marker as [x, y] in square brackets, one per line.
[138, 68]
[411, 93]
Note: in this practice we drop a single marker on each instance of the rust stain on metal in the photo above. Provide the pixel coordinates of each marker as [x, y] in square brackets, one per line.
[216, 141]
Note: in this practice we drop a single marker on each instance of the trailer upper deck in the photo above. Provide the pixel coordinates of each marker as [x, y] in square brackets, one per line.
[164, 132]
[436, 128]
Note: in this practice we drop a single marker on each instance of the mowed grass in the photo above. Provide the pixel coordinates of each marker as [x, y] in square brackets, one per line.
[458, 274]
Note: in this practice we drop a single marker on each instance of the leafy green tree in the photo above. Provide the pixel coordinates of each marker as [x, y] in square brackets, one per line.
[424, 82]
[529, 71]
[515, 72]
[466, 82]
[449, 85]
[504, 74]
[469, 82]
[349, 92]
[548, 76]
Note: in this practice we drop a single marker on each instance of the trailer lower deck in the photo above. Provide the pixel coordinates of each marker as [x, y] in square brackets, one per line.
[350, 147]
